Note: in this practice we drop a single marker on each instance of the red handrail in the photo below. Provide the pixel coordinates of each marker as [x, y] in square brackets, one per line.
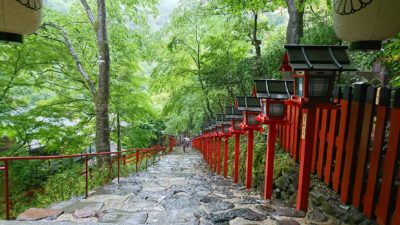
[138, 151]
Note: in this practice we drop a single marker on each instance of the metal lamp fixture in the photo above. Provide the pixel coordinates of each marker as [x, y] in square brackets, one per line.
[272, 94]
[225, 124]
[235, 116]
[251, 108]
[314, 69]
[18, 18]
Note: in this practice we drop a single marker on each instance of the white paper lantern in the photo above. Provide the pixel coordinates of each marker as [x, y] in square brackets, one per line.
[366, 21]
[19, 17]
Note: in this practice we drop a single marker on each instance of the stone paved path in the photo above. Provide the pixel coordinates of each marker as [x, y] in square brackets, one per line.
[178, 189]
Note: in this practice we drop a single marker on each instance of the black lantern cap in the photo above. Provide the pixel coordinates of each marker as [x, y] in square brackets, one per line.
[220, 119]
[227, 121]
[205, 129]
[273, 89]
[233, 113]
[206, 126]
[246, 103]
[213, 123]
[316, 57]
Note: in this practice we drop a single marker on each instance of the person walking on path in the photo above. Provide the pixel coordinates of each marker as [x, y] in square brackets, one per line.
[185, 144]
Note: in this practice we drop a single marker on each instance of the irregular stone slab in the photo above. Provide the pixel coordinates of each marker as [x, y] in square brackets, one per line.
[172, 217]
[122, 217]
[317, 216]
[180, 202]
[84, 213]
[152, 187]
[37, 214]
[288, 222]
[251, 200]
[288, 212]
[245, 213]
[241, 221]
[104, 198]
[71, 218]
[61, 205]
[210, 199]
[129, 189]
[219, 206]
[265, 209]
[96, 206]
[129, 206]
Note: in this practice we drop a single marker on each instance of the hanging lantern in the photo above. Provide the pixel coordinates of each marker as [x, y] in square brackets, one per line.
[19, 17]
[366, 23]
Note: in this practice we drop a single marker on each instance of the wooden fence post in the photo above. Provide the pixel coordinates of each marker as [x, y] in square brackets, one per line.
[322, 142]
[317, 121]
[353, 139]
[386, 203]
[330, 138]
[341, 138]
[363, 147]
[379, 130]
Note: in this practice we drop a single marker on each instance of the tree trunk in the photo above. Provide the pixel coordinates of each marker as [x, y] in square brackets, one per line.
[294, 31]
[256, 42]
[258, 63]
[118, 133]
[103, 94]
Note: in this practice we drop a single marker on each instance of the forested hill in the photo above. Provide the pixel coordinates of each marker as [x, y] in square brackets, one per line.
[174, 64]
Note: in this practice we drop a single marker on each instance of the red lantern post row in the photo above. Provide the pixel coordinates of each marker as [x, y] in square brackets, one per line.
[314, 69]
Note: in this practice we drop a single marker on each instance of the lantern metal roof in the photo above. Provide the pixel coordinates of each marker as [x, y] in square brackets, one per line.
[233, 113]
[206, 126]
[213, 124]
[251, 104]
[273, 89]
[316, 57]
[222, 119]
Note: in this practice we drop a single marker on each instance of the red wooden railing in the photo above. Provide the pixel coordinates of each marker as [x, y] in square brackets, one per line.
[126, 156]
[354, 152]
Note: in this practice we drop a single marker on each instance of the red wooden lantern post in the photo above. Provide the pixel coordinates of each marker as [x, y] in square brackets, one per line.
[236, 118]
[207, 144]
[314, 69]
[216, 150]
[224, 125]
[171, 143]
[273, 111]
[250, 107]
[219, 135]
[214, 145]
[203, 144]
